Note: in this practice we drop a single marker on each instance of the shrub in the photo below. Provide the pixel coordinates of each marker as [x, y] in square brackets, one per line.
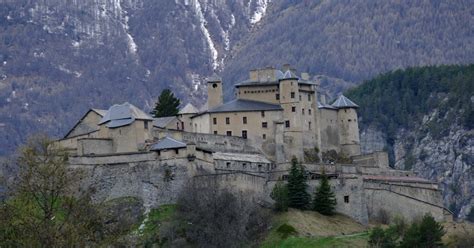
[286, 230]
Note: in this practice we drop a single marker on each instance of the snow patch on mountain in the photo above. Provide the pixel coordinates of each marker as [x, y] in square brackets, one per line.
[260, 11]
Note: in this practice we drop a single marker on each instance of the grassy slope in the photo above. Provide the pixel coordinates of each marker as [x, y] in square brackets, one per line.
[316, 230]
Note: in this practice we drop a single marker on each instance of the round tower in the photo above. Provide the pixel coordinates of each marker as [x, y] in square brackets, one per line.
[348, 126]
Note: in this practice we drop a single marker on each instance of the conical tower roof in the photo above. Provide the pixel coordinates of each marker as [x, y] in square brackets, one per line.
[344, 102]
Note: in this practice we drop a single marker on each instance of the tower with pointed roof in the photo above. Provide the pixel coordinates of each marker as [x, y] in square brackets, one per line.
[348, 126]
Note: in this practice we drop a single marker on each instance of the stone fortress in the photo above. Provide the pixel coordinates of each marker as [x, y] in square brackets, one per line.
[246, 144]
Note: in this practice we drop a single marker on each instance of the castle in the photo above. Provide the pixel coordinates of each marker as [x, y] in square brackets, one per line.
[246, 144]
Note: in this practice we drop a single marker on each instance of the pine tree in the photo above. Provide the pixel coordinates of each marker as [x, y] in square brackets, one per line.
[427, 233]
[167, 105]
[324, 201]
[298, 197]
[280, 196]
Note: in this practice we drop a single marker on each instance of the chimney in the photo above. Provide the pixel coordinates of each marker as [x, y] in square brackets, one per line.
[305, 76]
[253, 75]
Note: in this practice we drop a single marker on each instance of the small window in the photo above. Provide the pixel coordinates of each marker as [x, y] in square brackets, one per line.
[302, 111]
[227, 120]
[229, 133]
[346, 199]
[214, 121]
[244, 120]
[264, 124]
[244, 134]
[287, 123]
[259, 166]
[264, 136]
[292, 94]
[309, 97]
[176, 151]
[227, 164]
[300, 97]
[182, 125]
[244, 165]
[263, 113]
[293, 109]
[309, 125]
[309, 111]
[177, 125]
[277, 96]
[214, 85]
[349, 120]
[284, 177]
[145, 124]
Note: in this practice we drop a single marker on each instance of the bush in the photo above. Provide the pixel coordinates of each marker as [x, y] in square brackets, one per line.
[286, 230]
[280, 196]
[383, 238]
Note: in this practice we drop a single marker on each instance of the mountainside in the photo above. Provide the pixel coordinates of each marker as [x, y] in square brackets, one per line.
[424, 118]
[59, 58]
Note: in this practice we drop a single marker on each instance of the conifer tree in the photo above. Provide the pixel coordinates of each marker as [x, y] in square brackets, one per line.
[298, 197]
[167, 105]
[324, 200]
[280, 196]
[427, 233]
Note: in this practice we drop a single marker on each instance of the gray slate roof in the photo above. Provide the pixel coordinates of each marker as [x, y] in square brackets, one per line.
[344, 102]
[188, 109]
[167, 143]
[325, 106]
[240, 105]
[162, 122]
[122, 115]
[289, 75]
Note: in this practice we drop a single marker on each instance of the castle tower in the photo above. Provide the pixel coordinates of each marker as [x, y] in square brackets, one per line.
[214, 91]
[348, 126]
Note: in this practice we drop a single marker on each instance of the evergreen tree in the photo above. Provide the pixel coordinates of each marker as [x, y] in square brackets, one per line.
[167, 105]
[427, 233]
[280, 196]
[324, 199]
[298, 197]
[383, 238]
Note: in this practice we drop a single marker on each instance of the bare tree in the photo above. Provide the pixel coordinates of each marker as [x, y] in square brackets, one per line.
[45, 210]
[214, 216]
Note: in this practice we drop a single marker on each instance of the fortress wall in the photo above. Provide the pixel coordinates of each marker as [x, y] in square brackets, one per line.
[409, 201]
[210, 141]
[155, 182]
[375, 159]
[88, 146]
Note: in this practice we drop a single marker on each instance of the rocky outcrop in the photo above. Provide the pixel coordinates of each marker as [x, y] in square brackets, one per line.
[447, 159]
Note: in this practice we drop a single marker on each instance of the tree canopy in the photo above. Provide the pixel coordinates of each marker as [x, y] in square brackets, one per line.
[167, 104]
[324, 200]
[298, 197]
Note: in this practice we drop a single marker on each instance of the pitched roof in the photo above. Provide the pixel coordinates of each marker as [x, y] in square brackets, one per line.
[188, 109]
[87, 129]
[167, 143]
[325, 106]
[344, 102]
[289, 75]
[162, 122]
[241, 105]
[245, 157]
[122, 115]
[100, 112]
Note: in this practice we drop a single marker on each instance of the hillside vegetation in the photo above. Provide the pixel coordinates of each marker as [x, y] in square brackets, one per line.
[401, 98]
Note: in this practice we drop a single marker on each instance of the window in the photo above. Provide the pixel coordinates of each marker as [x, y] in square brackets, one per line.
[300, 97]
[284, 177]
[215, 132]
[244, 120]
[229, 133]
[177, 125]
[244, 134]
[214, 121]
[227, 164]
[302, 111]
[264, 124]
[182, 125]
[214, 85]
[244, 165]
[176, 151]
[309, 125]
[346, 199]
[292, 94]
[263, 113]
[309, 111]
[349, 120]
[277, 96]
[227, 120]
[145, 124]
[293, 109]
[264, 136]
[287, 123]
[309, 97]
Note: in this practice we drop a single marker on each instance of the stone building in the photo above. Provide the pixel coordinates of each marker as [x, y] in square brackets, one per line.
[247, 144]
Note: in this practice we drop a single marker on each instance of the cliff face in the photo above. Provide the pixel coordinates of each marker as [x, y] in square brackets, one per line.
[59, 58]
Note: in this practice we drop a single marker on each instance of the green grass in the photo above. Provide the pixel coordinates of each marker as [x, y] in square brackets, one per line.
[158, 215]
[274, 241]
